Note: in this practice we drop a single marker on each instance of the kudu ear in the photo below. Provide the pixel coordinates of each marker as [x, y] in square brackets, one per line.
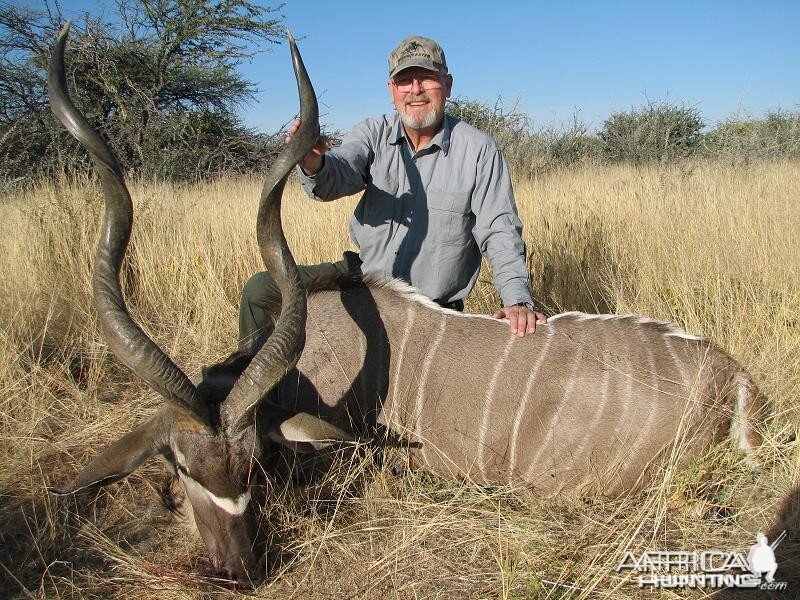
[121, 459]
[303, 428]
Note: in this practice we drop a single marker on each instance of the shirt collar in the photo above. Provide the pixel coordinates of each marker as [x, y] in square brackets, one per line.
[441, 139]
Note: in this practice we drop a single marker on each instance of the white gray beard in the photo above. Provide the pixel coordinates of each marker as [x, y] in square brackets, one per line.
[428, 120]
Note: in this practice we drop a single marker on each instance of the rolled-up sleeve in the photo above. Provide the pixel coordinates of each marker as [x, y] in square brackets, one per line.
[345, 169]
[498, 229]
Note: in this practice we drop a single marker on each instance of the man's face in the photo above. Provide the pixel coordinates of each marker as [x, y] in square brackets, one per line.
[419, 96]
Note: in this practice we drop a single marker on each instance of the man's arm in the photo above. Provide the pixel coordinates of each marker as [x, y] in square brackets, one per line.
[498, 232]
[328, 174]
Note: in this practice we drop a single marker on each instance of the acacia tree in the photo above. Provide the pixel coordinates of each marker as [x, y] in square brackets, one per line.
[159, 79]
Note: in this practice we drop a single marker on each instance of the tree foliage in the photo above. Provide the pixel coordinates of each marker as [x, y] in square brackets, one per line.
[533, 151]
[159, 80]
[657, 131]
[743, 139]
[530, 151]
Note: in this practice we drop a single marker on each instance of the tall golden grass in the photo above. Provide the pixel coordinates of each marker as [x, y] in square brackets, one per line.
[709, 246]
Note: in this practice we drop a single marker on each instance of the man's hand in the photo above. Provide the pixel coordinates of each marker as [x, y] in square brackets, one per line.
[521, 318]
[312, 162]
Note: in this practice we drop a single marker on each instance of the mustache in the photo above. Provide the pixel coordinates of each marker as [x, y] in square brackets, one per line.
[419, 98]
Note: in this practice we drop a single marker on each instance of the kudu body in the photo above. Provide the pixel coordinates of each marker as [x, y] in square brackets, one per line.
[584, 404]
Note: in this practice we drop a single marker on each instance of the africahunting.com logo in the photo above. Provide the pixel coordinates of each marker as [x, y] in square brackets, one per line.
[709, 568]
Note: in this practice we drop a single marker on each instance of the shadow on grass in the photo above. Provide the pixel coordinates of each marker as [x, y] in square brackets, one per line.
[37, 541]
[573, 269]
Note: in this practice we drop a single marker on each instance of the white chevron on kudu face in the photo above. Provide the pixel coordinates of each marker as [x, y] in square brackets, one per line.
[233, 506]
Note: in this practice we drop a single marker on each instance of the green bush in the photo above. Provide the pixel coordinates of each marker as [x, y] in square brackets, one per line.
[743, 139]
[202, 144]
[510, 128]
[529, 152]
[658, 131]
[557, 145]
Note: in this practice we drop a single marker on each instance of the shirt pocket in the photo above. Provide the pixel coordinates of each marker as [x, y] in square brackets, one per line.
[450, 217]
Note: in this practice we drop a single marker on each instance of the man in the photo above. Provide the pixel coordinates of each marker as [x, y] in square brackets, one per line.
[437, 195]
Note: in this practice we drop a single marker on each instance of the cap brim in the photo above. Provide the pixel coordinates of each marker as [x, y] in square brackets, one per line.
[422, 64]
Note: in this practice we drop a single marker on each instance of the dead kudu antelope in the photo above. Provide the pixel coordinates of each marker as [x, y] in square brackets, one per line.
[597, 399]
[208, 433]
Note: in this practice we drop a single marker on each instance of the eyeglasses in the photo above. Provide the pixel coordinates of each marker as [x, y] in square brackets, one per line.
[404, 83]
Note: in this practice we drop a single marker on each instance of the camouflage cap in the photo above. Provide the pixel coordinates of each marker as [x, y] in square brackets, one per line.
[417, 51]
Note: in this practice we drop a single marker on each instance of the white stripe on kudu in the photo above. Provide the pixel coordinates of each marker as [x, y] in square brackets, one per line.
[423, 381]
[644, 432]
[550, 433]
[526, 396]
[488, 401]
[678, 363]
[596, 407]
[626, 401]
[411, 313]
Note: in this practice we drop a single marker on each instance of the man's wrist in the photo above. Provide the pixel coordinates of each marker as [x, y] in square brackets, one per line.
[312, 172]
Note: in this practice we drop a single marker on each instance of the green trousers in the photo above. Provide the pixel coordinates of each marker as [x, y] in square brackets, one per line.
[261, 297]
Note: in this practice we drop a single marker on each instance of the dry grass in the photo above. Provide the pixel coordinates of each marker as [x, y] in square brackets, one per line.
[713, 248]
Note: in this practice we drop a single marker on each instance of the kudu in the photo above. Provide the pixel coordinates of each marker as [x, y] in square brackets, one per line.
[212, 433]
[584, 405]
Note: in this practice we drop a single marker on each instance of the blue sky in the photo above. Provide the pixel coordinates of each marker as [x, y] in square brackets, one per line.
[553, 58]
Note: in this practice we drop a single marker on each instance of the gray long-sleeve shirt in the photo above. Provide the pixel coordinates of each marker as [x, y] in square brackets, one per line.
[427, 216]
